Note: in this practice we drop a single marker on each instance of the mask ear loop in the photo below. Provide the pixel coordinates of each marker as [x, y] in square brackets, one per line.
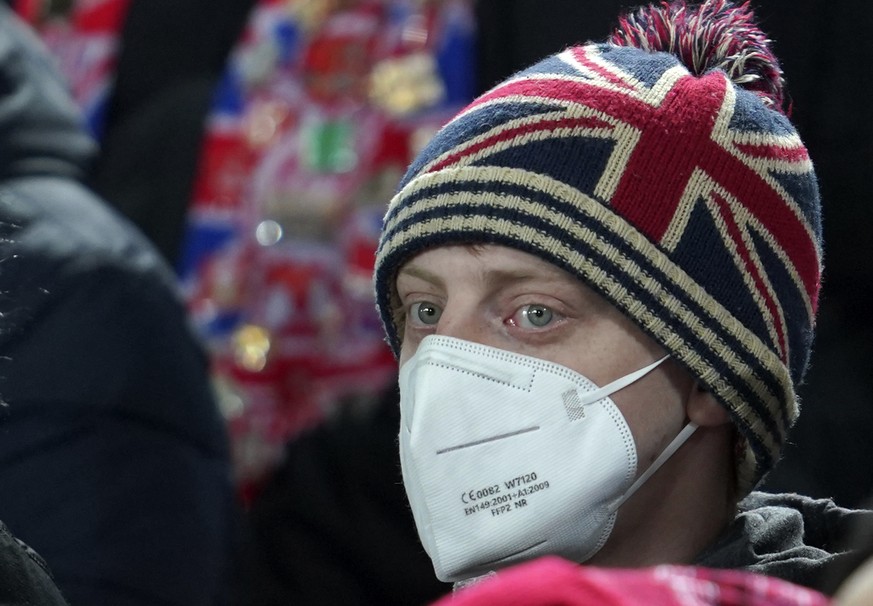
[668, 452]
[620, 383]
[672, 447]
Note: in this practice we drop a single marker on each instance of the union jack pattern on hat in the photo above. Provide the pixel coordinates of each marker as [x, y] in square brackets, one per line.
[685, 199]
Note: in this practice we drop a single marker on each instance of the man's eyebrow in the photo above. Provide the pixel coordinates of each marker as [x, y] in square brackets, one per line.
[414, 271]
[490, 277]
[508, 276]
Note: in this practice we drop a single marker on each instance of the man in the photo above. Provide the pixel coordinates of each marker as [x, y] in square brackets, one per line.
[601, 280]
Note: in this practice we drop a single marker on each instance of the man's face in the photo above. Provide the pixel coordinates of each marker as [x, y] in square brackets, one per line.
[511, 300]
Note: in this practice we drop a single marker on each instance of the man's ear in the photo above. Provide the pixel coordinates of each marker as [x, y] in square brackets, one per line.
[703, 409]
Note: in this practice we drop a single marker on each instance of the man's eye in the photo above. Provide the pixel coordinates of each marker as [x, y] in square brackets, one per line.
[536, 315]
[426, 313]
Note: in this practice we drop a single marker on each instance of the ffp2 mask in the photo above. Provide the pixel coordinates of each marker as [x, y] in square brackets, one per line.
[506, 457]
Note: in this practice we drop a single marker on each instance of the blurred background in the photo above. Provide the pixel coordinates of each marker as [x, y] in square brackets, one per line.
[256, 143]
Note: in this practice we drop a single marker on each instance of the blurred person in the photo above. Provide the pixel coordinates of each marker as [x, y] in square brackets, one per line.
[170, 61]
[113, 458]
[600, 280]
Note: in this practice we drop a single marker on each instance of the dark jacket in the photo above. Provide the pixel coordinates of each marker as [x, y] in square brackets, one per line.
[113, 456]
[789, 536]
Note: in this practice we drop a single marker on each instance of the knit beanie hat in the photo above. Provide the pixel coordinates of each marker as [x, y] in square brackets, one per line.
[660, 169]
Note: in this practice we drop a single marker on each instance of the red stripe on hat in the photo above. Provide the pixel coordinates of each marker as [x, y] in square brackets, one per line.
[588, 122]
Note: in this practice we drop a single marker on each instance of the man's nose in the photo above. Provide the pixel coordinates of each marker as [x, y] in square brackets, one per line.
[462, 322]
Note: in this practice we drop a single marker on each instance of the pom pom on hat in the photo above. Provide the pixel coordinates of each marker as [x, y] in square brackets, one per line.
[659, 169]
[713, 35]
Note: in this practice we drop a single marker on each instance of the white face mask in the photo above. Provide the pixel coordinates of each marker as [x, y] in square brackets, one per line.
[507, 457]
